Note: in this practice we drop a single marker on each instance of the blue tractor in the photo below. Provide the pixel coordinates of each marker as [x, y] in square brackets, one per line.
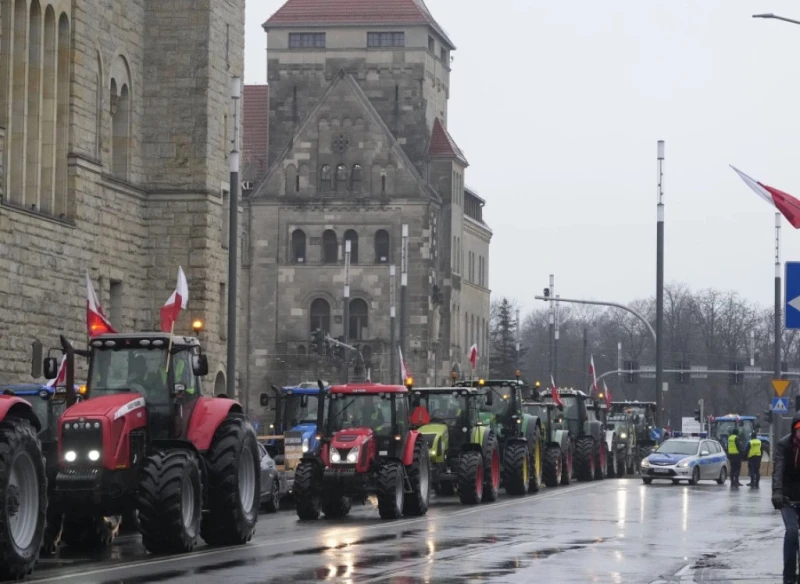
[721, 427]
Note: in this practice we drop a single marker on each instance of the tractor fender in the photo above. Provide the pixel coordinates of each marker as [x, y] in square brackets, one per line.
[479, 435]
[561, 437]
[11, 406]
[592, 428]
[207, 416]
[408, 450]
[611, 439]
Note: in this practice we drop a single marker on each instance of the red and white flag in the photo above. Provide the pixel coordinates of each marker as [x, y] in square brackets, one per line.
[96, 321]
[593, 373]
[403, 370]
[607, 393]
[177, 301]
[554, 393]
[61, 378]
[473, 354]
[784, 202]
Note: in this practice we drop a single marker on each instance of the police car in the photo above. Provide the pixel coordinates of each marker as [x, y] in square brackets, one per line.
[687, 459]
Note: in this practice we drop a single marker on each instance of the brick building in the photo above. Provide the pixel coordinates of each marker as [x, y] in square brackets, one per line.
[359, 147]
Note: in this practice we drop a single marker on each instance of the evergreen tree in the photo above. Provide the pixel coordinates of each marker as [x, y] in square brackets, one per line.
[502, 332]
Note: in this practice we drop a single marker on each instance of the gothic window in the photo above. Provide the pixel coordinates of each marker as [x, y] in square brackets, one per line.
[382, 247]
[330, 247]
[341, 178]
[320, 315]
[120, 116]
[298, 246]
[357, 178]
[358, 329]
[351, 236]
[325, 178]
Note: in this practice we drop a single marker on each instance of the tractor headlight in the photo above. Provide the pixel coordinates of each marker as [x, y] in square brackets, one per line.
[335, 456]
[352, 457]
[70, 456]
[623, 435]
[94, 455]
[645, 464]
[305, 444]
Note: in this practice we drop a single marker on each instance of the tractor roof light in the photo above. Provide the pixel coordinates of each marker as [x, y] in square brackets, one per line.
[83, 389]
[517, 374]
[409, 382]
[481, 382]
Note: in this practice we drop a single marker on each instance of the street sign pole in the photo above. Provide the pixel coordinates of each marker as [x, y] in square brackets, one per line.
[660, 286]
[777, 325]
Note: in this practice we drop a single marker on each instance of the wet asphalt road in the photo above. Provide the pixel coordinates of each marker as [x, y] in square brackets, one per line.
[618, 531]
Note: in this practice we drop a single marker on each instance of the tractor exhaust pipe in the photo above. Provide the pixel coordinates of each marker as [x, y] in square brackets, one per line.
[69, 352]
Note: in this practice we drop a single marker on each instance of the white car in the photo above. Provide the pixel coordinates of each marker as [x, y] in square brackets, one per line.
[687, 459]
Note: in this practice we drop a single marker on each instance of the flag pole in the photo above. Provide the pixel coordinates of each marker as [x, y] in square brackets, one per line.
[169, 347]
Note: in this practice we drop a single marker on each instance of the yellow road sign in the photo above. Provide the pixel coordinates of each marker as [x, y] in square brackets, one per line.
[780, 386]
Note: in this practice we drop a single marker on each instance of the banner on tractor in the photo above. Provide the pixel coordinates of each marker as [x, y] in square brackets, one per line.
[292, 449]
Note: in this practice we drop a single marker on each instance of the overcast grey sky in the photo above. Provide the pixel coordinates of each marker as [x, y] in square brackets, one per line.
[558, 107]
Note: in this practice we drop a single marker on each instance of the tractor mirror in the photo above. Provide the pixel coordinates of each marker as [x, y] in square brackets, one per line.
[200, 365]
[264, 400]
[50, 368]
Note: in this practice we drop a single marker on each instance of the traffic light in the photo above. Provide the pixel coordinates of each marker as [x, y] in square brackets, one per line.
[697, 415]
[768, 416]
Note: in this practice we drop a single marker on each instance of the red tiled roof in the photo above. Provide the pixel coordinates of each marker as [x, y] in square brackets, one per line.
[443, 146]
[255, 131]
[360, 12]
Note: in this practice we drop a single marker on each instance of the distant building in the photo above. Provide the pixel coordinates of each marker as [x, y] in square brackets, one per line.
[255, 136]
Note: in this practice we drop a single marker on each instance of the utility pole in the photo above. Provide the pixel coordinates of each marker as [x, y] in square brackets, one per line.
[701, 402]
[404, 295]
[555, 342]
[776, 426]
[392, 317]
[516, 361]
[619, 362]
[552, 319]
[585, 363]
[346, 316]
[660, 286]
[233, 241]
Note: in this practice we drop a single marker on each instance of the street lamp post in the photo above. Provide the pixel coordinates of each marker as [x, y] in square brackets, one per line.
[346, 315]
[233, 239]
[660, 285]
[778, 296]
[392, 317]
[404, 294]
[552, 326]
[775, 17]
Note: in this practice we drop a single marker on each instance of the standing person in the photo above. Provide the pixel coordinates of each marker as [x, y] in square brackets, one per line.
[735, 448]
[786, 486]
[754, 460]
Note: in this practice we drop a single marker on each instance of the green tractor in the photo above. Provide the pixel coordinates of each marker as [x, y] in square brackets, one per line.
[519, 435]
[464, 452]
[558, 447]
[625, 447]
[644, 419]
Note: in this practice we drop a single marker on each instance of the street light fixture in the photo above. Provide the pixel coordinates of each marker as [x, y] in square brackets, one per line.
[775, 17]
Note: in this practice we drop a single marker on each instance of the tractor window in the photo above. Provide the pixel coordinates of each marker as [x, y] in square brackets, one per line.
[445, 408]
[184, 375]
[361, 411]
[130, 370]
[501, 405]
[538, 410]
[571, 414]
[300, 409]
[402, 413]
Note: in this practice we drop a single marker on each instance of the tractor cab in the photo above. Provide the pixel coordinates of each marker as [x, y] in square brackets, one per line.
[644, 419]
[296, 412]
[575, 410]
[502, 404]
[442, 413]
[723, 426]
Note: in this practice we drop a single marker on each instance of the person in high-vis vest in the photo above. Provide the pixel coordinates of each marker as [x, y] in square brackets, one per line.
[181, 375]
[754, 460]
[735, 448]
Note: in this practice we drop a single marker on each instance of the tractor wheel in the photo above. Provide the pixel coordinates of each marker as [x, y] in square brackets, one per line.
[535, 465]
[566, 466]
[170, 502]
[491, 468]
[620, 466]
[23, 498]
[89, 533]
[54, 526]
[390, 490]
[515, 469]
[335, 504]
[552, 466]
[419, 473]
[234, 484]
[470, 478]
[601, 462]
[585, 459]
[307, 490]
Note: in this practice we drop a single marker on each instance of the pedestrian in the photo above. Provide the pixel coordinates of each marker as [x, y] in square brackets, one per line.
[754, 460]
[786, 488]
[735, 448]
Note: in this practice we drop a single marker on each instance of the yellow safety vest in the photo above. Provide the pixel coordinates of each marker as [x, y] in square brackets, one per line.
[755, 448]
[732, 448]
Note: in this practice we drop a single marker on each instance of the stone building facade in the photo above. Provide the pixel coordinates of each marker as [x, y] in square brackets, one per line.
[115, 124]
[255, 136]
[358, 148]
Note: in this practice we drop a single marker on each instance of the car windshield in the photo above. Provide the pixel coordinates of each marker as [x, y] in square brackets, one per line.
[360, 411]
[444, 407]
[138, 369]
[678, 447]
[300, 409]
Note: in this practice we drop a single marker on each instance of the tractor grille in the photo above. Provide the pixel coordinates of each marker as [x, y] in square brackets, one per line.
[82, 437]
[347, 438]
[340, 472]
[78, 474]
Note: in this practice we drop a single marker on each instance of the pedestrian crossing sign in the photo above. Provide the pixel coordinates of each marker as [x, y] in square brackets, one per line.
[780, 405]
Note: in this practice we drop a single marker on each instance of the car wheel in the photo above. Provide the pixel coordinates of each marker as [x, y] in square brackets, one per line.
[695, 476]
[675, 482]
[723, 476]
[647, 480]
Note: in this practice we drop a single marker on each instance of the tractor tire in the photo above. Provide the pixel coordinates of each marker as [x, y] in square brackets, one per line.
[391, 496]
[552, 466]
[307, 490]
[170, 502]
[419, 474]
[234, 484]
[336, 505]
[51, 540]
[491, 468]
[601, 461]
[567, 466]
[23, 498]
[585, 459]
[535, 466]
[470, 478]
[621, 467]
[89, 533]
[515, 469]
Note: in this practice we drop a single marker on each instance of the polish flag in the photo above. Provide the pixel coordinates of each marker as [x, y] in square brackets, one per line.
[784, 202]
[61, 378]
[177, 301]
[607, 394]
[593, 373]
[554, 393]
[473, 354]
[403, 370]
[96, 321]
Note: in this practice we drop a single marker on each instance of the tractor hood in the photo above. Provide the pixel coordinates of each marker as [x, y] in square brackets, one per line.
[309, 431]
[436, 428]
[111, 406]
[351, 437]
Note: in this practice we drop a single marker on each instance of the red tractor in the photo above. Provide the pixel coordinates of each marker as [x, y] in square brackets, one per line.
[145, 439]
[23, 488]
[367, 446]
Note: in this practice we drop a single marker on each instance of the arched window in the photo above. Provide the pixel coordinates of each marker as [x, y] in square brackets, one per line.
[381, 246]
[325, 178]
[341, 178]
[291, 179]
[357, 177]
[359, 323]
[120, 123]
[352, 237]
[298, 246]
[330, 247]
[320, 315]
